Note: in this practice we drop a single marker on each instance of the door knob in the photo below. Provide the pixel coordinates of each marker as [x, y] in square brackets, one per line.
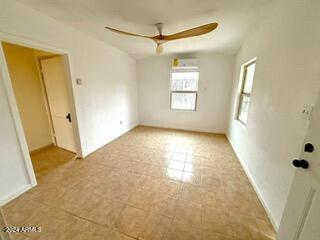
[300, 163]
[308, 147]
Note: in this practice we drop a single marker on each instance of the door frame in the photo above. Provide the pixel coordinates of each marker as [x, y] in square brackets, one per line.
[25, 42]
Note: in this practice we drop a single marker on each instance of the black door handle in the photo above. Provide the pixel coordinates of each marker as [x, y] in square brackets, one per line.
[300, 163]
[308, 148]
[68, 117]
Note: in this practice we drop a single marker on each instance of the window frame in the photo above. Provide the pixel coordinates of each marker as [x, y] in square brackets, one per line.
[241, 92]
[180, 91]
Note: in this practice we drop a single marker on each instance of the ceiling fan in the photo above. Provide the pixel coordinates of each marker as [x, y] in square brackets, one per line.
[161, 39]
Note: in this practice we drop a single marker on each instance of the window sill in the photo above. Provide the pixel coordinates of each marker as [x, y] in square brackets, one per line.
[182, 110]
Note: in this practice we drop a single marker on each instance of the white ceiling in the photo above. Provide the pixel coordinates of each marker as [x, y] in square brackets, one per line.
[235, 18]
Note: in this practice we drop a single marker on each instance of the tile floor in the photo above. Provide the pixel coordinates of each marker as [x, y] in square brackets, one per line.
[50, 159]
[148, 184]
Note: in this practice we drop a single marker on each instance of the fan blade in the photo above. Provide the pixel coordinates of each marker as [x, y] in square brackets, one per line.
[127, 33]
[191, 32]
[159, 49]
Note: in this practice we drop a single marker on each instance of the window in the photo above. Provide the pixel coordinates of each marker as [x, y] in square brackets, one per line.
[184, 90]
[245, 90]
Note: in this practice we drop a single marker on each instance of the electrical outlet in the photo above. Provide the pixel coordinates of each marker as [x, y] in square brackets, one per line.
[306, 111]
[120, 122]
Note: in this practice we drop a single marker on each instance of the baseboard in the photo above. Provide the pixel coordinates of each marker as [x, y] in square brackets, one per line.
[180, 129]
[42, 148]
[14, 194]
[110, 140]
[256, 189]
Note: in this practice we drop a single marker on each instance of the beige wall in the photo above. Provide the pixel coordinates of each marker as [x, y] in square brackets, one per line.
[27, 89]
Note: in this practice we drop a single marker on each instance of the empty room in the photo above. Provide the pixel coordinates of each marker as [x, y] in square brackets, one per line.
[159, 120]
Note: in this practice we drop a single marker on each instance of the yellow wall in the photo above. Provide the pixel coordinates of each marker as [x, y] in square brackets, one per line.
[26, 84]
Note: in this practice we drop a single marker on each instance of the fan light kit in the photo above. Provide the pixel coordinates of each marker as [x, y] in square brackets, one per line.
[161, 39]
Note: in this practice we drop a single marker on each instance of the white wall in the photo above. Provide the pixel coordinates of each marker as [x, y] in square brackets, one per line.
[26, 85]
[108, 93]
[13, 175]
[287, 76]
[215, 81]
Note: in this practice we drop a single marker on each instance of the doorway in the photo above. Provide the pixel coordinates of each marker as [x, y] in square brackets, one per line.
[39, 81]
